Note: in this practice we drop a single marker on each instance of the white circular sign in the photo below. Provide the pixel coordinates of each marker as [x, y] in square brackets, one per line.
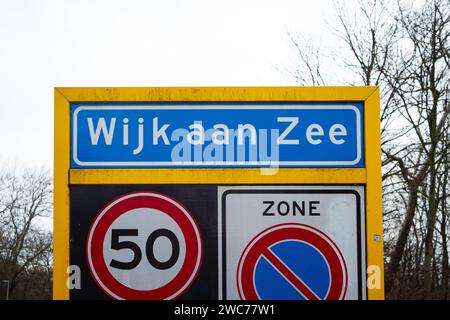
[144, 245]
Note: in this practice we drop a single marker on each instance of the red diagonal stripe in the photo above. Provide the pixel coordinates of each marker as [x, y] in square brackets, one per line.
[288, 274]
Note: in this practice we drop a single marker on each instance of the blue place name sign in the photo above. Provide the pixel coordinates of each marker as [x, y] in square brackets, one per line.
[217, 135]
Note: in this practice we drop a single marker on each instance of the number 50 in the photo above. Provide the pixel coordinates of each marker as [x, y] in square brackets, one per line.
[116, 244]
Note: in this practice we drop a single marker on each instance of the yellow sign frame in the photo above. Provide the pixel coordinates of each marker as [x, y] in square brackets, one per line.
[370, 175]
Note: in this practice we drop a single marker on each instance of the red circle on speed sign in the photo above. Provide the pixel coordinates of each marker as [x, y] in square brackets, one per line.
[136, 215]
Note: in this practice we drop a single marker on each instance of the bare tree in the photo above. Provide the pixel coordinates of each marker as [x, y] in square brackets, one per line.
[25, 198]
[422, 96]
[309, 68]
[404, 49]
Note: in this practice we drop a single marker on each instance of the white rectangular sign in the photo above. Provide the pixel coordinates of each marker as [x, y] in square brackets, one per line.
[292, 242]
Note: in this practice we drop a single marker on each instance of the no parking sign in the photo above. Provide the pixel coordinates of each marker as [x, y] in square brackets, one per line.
[292, 242]
[292, 261]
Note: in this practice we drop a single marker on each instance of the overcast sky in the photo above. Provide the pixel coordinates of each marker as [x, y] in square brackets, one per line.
[50, 43]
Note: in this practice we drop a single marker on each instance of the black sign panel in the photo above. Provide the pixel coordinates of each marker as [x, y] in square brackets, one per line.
[144, 241]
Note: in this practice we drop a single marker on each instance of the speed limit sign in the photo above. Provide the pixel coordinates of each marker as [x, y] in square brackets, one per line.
[144, 245]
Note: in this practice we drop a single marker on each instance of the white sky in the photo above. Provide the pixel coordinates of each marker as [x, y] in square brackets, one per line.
[50, 43]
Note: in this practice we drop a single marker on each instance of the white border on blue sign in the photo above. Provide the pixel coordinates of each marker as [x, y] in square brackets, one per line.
[215, 163]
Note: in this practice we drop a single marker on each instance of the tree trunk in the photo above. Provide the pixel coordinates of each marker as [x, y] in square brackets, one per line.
[431, 223]
[402, 238]
[445, 262]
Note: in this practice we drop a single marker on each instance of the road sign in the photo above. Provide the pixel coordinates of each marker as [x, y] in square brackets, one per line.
[217, 135]
[292, 261]
[183, 193]
[286, 242]
[166, 218]
[138, 225]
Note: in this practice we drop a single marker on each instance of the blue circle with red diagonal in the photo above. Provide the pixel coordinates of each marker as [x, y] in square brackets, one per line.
[292, 262]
